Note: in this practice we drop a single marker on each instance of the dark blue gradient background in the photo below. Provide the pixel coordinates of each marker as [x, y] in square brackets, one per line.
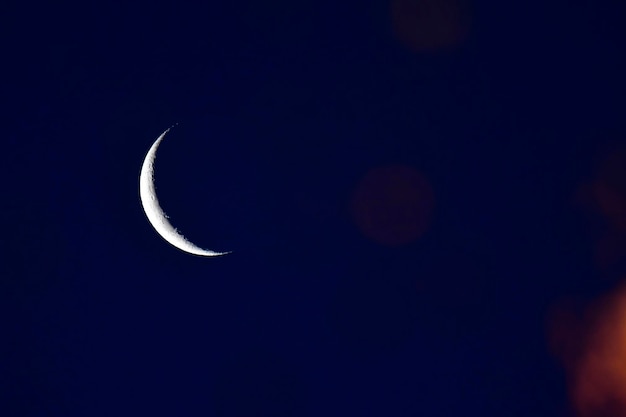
[282, 107]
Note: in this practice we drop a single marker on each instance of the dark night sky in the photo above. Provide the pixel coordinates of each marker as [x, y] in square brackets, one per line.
[283, 107]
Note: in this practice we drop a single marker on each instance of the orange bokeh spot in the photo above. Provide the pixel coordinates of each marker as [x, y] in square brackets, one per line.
[597, 371]
[392, 205]
[429, 24]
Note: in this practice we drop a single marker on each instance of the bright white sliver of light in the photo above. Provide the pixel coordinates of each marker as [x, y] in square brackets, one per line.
[154, 212]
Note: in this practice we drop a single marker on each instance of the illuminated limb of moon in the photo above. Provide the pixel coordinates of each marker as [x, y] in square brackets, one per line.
[154, 212]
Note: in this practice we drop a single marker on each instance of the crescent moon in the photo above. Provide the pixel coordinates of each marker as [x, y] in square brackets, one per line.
[154, 212]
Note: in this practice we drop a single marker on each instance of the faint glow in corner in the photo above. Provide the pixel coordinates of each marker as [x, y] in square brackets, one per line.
[595, 358]
[430, 25]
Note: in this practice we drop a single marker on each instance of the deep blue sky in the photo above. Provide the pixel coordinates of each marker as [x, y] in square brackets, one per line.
[282, 107]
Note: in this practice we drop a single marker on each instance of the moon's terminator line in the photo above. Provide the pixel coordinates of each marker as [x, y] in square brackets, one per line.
[154, 212]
